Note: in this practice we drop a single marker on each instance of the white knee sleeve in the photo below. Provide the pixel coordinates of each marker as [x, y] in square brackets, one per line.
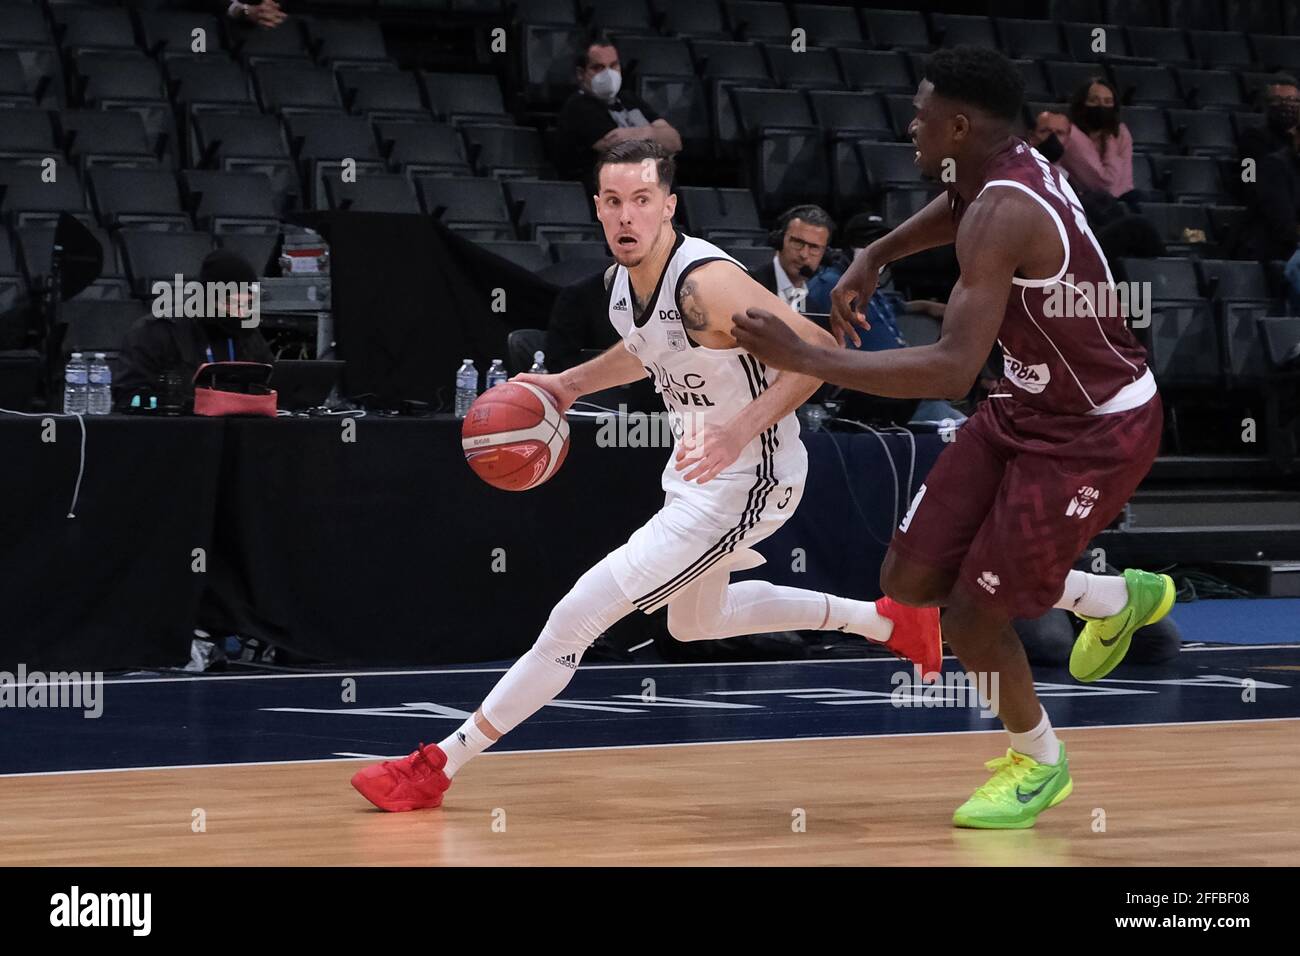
[591, 607]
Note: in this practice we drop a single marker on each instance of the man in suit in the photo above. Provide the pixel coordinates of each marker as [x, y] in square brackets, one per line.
[798, 272]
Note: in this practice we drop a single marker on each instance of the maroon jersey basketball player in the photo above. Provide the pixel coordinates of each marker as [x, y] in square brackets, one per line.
[1049, 459]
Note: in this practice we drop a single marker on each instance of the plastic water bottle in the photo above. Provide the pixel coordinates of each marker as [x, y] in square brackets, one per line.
[539, 364]
[497, 373]
[75, 385]
[466, 387]
[99, 398]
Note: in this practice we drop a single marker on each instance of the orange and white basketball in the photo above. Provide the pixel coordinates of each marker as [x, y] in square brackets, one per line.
[514, 437]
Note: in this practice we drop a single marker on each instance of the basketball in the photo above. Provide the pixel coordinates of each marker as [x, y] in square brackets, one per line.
[514, 437]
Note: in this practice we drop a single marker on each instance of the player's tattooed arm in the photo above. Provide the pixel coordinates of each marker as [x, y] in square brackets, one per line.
[692, 307]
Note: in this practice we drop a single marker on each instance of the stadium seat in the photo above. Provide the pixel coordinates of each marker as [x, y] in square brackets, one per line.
[1221, 50]
[720, 215]
[424, 147]
[1146, 85]
[383, 192]
[209, 81]
[683, 103]
[476, 203]
[661, 56]
[1164, 45]
[1183, 346]
[758, 20]
[336, 41]
[1196, 14]
[758, 110]
[619, 16]
[949, 29]
[474, 97]
[27, 133]
[791, 167]
[383, 94]
[96, 136]
[230, 201]
[1149, 128]
[835, 27]
[24, 27]
[813, 68]
[324, 136]
[1183, 228]
[1036, 86]
[548, 62]
[1065, 78]
[1210, 89]
[728, 61]
[1031, 39]
[80, 28]
[692, 18]
[1093, 42]
[25, 197]
[1255, 16]
[257, 248]
[506, 151]
[860, 115]
[254, 45]
[153, 256]
[1189, 179]
[1203, 133]
[896, 29]
[107, 76]
[296, 86]
[884, 71]
[889, 165]
[526, 255]
[1276, 52]
[170, 33]
[246, 142]
[545, 11]
[549, 210]
[137, 197]
[1135, 13]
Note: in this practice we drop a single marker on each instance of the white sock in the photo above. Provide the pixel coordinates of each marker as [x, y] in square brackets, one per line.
[858, 617]
[1094, 595]
[1040, 743]
[464, 744]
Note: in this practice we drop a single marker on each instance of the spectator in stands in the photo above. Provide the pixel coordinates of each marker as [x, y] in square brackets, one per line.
[1279, 101]
[156, 346]
[601, 113]
[579, 320]
[1273, 201]
[1091, 144]
[800, 273]
[1120, 229]
[262, 13]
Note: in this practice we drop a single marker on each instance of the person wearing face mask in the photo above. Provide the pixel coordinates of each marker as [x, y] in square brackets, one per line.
[1090, 144]
[602, 113]
[1279, 101]
[156, 345]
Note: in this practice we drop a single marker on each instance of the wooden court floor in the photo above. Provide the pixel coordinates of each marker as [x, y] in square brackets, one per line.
[1195, 794]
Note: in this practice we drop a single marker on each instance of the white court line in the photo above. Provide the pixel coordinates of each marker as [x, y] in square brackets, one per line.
[692, 743]
[586, 667]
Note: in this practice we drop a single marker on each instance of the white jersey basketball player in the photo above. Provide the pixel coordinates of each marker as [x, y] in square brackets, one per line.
[735, 476]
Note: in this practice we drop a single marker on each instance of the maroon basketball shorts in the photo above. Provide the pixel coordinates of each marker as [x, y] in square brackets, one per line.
[1014, 500]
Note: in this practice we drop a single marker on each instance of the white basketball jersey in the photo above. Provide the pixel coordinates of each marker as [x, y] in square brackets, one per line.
[699, 385]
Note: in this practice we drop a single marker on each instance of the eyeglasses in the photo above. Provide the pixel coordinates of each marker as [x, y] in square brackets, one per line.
[800, 245]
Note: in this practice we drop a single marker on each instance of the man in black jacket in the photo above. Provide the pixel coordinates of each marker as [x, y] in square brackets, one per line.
[601, 113]
[174, 342]
[1279, 101]
[1274, 204]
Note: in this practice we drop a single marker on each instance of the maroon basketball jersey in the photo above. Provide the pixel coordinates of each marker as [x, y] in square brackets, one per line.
[1065, 345]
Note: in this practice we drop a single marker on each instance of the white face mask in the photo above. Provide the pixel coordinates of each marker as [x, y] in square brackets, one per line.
[606, 84]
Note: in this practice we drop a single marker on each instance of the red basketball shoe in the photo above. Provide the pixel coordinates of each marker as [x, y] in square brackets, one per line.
[915, 636]
[416, 782]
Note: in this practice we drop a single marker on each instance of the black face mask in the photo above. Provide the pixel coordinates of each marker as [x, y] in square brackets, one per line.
[1099, 117]
[1051, 148]
[1282, 116]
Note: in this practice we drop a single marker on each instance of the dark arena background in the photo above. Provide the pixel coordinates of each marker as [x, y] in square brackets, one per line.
[222, 595]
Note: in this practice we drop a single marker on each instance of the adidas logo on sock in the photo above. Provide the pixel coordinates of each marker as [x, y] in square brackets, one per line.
[568, 660]
[620, 305]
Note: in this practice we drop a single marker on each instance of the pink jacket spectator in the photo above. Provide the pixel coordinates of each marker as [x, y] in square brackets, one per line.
[1087, 167]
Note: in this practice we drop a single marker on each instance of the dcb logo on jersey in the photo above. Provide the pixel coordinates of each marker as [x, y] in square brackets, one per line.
[989, 581]
[1082, 502]
[669, 315]
[1032, 378]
